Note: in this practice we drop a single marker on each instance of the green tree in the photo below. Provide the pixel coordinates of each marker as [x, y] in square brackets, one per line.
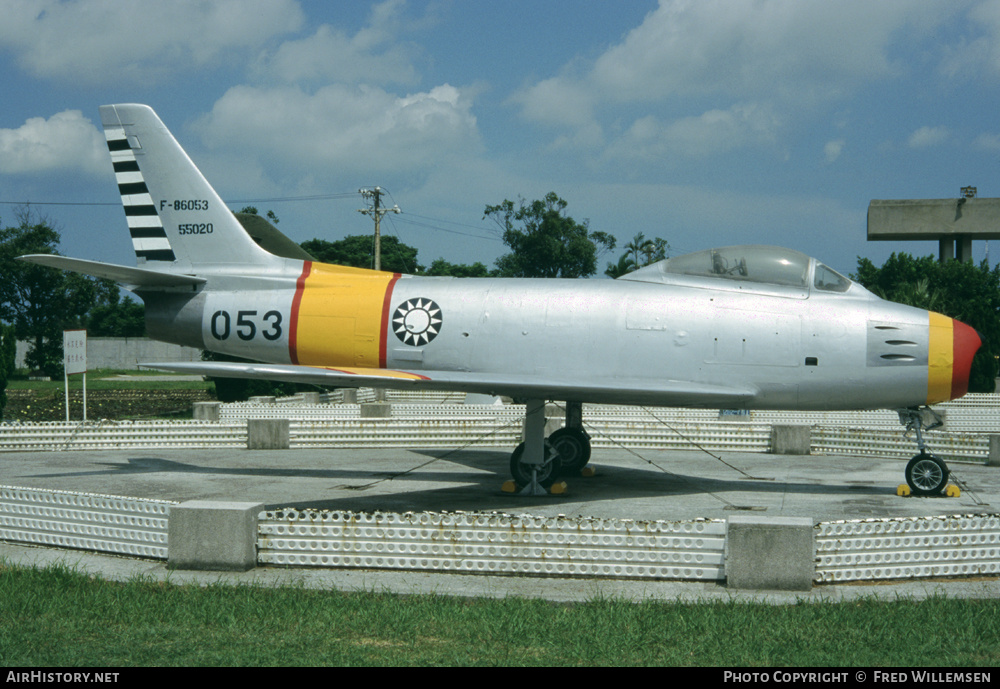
[40, 302]
[958, 289]
[8, 353]
[544, 242]
[625, 265]
[252, 210]
[113, 316]
[359, 251]
[441, 267]
[638, 253]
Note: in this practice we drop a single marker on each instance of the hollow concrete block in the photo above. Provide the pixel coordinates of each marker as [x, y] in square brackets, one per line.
[213, 535]
[268, 434]
[376, 410]
[206, 411]
[770, 553]
[791, 440]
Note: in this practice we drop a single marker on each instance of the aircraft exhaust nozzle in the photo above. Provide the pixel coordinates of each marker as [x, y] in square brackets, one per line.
[953, 344]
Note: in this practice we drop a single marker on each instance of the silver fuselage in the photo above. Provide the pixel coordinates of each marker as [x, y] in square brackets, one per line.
[789, 347]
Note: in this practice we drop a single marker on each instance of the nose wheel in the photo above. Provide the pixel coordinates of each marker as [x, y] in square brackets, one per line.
[925, 474]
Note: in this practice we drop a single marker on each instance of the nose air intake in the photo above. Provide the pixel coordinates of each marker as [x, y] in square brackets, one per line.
[952, 346]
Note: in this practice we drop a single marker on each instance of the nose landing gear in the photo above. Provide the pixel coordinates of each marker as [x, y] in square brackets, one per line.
[926, 474]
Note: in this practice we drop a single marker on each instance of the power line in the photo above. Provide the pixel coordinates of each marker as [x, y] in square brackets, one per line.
[433, 224]
[276, 199]
[312, 197]
[60, 203]
[404, 219]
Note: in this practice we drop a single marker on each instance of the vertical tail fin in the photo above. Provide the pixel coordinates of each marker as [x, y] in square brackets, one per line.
[174, 215]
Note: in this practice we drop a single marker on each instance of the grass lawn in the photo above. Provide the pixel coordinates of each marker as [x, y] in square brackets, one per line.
[59, 617]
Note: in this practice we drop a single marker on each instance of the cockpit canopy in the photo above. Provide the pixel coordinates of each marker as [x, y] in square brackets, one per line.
[763, 265]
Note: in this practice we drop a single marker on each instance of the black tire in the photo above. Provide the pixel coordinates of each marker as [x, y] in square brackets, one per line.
[926, 474]
[548, 472]
[573, 446]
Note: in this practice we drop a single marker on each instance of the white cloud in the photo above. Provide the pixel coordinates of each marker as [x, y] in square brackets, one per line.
[978, 51]
[989, 142]
[744, 48]
[749, 50]
[332, 55]
[342, 128]
[373, 55]
[684, 78]
[65, 141]
[928, 136]
[833, 149]
[711, 133]
[109, 41]
[557, 101]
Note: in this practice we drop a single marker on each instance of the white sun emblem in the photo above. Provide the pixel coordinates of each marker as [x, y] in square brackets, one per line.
[417, 321]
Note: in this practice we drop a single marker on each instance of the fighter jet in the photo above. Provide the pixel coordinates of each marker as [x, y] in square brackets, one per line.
[739, 327]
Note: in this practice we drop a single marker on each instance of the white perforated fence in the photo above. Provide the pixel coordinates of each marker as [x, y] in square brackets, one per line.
[111, 435]
[495, 544]
[905, 548]
[407, 432]
[889, 442]
[497, 430]
[86, 521]
[478, 543]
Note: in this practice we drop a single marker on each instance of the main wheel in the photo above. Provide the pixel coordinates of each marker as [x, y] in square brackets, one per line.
[547, 472]
[926, 474]
[573, 446]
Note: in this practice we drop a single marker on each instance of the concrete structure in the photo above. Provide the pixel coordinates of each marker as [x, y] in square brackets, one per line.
[993, 459]
[953, 223]
[770, 553]
[211, 535]
[851, 501]
[123, 352]
[268, 434]
[791, 440]
[376, 410]
[206, 411]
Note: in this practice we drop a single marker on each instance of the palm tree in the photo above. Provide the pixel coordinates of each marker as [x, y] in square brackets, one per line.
[625, 265]
[637, 248]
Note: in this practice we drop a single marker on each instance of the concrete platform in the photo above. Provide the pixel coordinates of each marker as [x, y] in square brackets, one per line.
[644, 485]
[649, 484]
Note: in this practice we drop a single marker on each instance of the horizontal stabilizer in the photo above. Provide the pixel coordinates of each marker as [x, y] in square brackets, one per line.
[617, 391]
[131, 278]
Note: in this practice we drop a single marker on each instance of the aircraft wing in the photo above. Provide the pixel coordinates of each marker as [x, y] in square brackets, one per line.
[123, 275]
[522, 386]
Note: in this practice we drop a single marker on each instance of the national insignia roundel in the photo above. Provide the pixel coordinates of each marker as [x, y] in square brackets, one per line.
[417, 321]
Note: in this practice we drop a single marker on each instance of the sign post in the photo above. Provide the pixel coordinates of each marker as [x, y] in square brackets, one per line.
[75, 361]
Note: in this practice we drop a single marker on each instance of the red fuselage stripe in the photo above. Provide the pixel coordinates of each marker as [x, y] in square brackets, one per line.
[384, 337]
[296, 300]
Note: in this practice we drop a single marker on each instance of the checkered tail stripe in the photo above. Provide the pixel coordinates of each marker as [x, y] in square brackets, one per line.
[148, 236]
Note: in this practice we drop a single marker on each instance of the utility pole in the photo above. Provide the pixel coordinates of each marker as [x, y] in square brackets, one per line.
[376, 211]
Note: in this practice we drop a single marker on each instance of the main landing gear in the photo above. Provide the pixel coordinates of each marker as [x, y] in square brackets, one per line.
[538, 462]
[925, 473]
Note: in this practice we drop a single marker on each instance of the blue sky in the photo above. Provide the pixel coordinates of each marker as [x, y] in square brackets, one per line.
[704, 122]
